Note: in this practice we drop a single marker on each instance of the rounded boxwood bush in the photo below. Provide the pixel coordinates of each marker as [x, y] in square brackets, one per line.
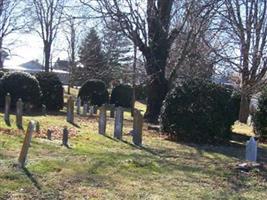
[95, 92]
[122, 96]
[22, 85]
[52, 90]
[260, 117]
[198, 111]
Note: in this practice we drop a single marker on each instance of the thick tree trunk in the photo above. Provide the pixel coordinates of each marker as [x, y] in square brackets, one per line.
[157, 90]
[244, 108]
[47, 54]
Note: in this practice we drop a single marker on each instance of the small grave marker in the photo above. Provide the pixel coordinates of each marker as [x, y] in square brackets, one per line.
[137, 128]
[102, 120]
[251, 150]
[26, 144]
[95, 110]
[19, 113]
[118, 123]
[44, 109]
[65, 137]
[49, 134]
[91, 111]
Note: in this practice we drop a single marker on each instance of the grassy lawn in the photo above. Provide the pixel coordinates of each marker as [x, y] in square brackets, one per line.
[100, 167]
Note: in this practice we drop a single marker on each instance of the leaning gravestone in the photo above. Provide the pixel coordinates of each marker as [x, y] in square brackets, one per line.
[118, 123]
[102, 120]
[70, 110]
[78, 103]
[26, 144]
[65, 137]
[251, 150]
[19, 113]
[85, 108]
[137, 128]
[7, 109]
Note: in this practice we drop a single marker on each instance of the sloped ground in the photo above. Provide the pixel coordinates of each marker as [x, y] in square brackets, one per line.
[100, 167]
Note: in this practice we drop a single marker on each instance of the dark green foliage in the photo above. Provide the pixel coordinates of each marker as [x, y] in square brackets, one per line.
[52, 90]
[260, 117]
[122, 96]
[95, 92]
[22, 85]
[141, 92]
[198, 111]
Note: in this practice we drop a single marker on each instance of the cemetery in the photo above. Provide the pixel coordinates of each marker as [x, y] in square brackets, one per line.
[133, 99]
[104, 152]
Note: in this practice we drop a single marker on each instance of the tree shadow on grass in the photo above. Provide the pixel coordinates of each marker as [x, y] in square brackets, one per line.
[32, 179]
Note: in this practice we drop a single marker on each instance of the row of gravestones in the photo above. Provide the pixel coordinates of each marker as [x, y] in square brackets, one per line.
[19, 111]
[118, 126]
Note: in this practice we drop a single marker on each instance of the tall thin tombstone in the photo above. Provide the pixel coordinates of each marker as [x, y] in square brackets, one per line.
[26, 144]
[137, 128]
[70, 110]
[19, 113]
[118, 123]
[7, 109]
[78, 105]
[85, 108]
[102, 120]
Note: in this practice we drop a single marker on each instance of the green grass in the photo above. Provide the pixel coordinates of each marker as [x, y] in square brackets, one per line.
[99, 167]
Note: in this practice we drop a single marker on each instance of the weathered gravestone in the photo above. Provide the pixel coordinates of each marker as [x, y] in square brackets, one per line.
[251, 150]
[112, 111]
[85, 108]
[26, 144]
[7, 109]
[65, 137]
[49, 134]
[19, 113]
[78, 103]
[102, 120]
[118, 123]
[137, 128]
[70, 110]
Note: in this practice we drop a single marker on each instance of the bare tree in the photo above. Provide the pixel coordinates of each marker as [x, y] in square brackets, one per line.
[244, 47]
[48, 16]
[11, 12]
[148, 25]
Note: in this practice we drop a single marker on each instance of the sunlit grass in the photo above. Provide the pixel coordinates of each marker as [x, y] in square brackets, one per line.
[99, 167]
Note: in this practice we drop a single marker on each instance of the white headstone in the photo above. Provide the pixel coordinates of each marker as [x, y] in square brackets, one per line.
[251, 150]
